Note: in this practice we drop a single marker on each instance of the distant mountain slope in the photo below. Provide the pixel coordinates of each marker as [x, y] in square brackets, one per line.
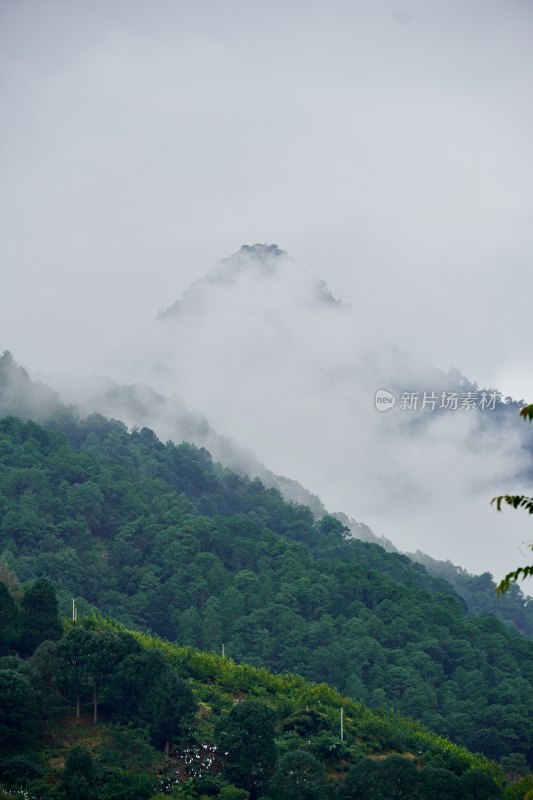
[22, 396]
[361, 531]
[138, 406]
[162, 538]
[479, 593]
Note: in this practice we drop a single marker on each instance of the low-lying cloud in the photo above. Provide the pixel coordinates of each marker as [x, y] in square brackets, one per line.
[273, 361]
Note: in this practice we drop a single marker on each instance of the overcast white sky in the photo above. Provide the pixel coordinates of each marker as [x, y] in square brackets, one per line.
[386, 146]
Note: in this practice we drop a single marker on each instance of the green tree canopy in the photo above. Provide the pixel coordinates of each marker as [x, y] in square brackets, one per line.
[18, 704]
[245, 737]
[299, 776]
[9, 620]
[40, 620]
[167, 703]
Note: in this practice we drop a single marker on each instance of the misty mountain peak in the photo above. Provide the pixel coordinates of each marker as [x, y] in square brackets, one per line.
[264, 257]
[261, 251]
[256, 274]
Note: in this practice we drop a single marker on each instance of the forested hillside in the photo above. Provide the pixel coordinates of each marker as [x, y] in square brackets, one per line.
[91, 711]
[163, 539]
[139, 406]
[479, 593]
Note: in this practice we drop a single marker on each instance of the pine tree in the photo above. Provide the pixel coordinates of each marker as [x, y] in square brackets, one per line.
[40, 619]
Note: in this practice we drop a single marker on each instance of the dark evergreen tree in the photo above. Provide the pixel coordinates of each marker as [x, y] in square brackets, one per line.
[78, 781]
[74, 652]
[18, 710]
[40, 620]
[130, 681]
[477, 785]
[400, 778]
[440, 783]
[245, 737]
[167, 703]
[105, 651]
[299, 776]
[9, 620]
[364, 780]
